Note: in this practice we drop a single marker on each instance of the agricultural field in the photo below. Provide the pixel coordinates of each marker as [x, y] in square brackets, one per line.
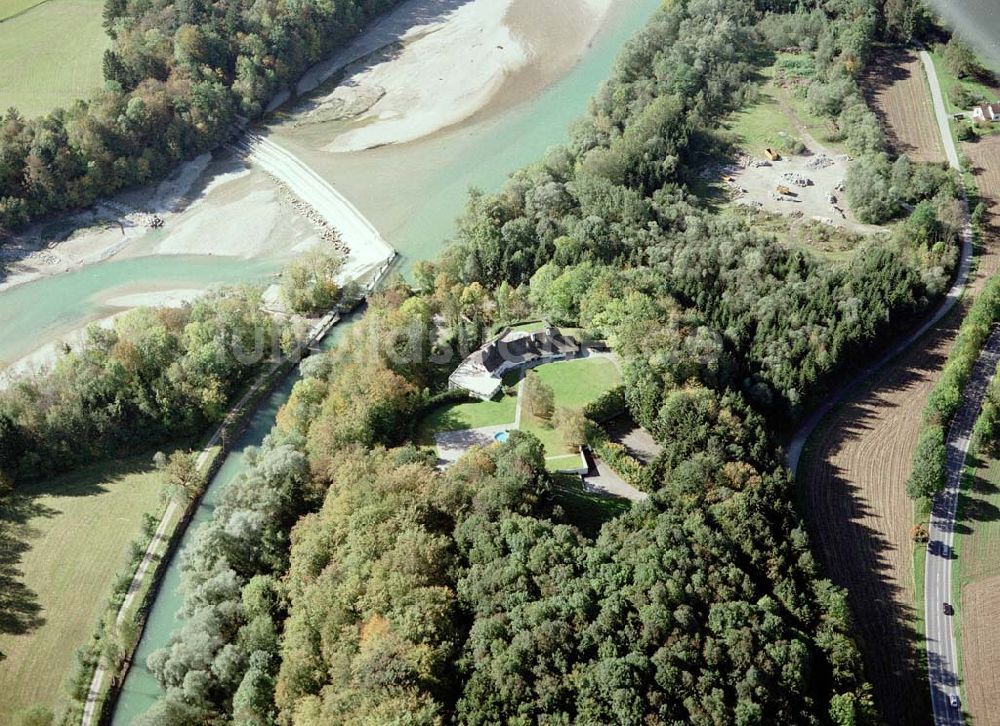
[978, 577]
[63, 542]
[984, 157]
[897, 89]
[51, 53]
[852, 488]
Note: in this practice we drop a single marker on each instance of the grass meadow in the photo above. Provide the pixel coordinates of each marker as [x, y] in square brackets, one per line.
[50, 53]
[62, 541]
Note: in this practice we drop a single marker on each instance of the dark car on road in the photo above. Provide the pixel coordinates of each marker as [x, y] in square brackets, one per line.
[948, 609]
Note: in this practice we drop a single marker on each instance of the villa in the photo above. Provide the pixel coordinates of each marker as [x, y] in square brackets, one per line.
[481, 374]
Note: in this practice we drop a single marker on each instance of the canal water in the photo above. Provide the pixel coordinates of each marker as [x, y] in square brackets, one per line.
[416, 211]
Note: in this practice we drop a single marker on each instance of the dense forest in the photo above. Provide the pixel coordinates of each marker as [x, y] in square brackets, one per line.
[152, 375]
[345, 579]
[178, 76]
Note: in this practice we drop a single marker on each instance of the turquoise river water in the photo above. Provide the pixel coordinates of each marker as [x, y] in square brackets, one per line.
[444, 167]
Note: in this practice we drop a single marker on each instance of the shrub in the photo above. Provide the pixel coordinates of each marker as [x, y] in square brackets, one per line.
[929, 460]
[610, 404]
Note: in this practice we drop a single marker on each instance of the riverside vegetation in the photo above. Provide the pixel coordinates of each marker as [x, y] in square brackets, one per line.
[177, 78]
[345, 579]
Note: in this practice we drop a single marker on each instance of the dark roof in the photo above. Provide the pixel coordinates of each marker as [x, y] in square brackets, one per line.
[543, 344]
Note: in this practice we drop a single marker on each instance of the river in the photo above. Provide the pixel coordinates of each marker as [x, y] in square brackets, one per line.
[416, 213]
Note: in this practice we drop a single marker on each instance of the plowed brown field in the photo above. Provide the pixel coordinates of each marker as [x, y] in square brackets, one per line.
[980, 615]
[985, 158]
[853, 477]
[897, 89]
[853, 473]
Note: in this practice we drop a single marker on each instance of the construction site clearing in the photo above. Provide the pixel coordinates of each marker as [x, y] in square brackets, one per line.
[809, 186]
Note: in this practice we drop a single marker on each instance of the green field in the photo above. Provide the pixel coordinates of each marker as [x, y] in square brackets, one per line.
[472, 415]
[575, 384]
[578, 382]
[10, 8]
[948, 81]
[979, 518]
[63, 541]
[781, 112]
[587, 510]
[51, 53]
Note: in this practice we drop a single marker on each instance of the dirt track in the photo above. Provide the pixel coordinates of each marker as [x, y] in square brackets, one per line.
[896, 88]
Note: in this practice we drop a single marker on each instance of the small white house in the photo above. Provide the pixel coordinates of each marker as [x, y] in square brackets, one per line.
[986, 112]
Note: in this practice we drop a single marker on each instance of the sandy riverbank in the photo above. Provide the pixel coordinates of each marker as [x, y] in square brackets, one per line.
[225, 207]
[208, 207]
[431, 64]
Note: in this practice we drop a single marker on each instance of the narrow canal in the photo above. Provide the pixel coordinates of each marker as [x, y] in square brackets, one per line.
[443, 168]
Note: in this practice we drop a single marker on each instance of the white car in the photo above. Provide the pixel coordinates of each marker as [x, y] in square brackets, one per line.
[953, 700]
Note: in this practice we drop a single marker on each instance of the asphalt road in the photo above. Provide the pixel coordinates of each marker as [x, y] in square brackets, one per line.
[941, 650]
[805, 430]
[942, 655]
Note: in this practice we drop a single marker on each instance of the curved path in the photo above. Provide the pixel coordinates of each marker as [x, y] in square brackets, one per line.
[797, 444]
[805, 430]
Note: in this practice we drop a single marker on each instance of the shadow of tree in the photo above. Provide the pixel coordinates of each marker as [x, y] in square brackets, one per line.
[891, 69]
[850, 535]
[19, 609]
[974, 505]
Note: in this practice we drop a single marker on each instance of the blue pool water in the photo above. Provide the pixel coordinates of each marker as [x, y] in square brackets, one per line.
[502, 436]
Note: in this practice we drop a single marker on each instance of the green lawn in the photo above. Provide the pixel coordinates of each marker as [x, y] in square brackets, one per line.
[578, 382]
[473, 415]
[532, 326]
[762, 125]
[776, 118]
[587, 511]
[575, 383]
[948, 81]
[10, 8]
[63, 541]
[50, 54]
